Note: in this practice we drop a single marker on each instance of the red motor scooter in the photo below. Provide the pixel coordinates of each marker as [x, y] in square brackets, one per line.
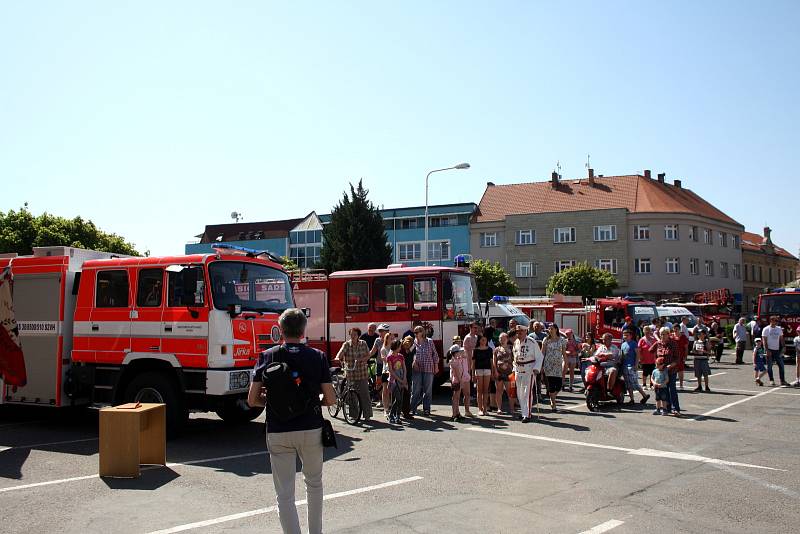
[596, 383]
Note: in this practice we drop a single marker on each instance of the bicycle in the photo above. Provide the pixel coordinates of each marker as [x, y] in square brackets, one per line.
[347, 400]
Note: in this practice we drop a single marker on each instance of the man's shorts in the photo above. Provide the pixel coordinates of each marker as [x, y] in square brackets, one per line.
[631, 376]
[483, 372]
[662, 394]
[701, 368]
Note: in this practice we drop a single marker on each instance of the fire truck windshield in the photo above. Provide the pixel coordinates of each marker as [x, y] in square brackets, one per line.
[783, 304]
[252, 286]
[458, 296]
[642, 312]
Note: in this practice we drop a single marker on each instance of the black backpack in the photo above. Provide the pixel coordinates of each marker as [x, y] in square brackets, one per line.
[287, 396]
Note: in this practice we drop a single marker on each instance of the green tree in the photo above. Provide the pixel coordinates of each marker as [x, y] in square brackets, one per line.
[20, 231]
[355, 238]
[289, 264]
[582, 280]
[492, 279]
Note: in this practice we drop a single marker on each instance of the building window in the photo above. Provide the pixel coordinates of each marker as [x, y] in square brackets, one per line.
[641, 232]
[407, 224]
[444, 220]
[694, 266]
[723, 269]
[786, 276]
[707, 236]
[609, 265]
[438, 250]
[607, 232]
[736, 241]
[737, 270]
[760, 274]
[770, 275]
[671, 232]
[409, 251]
[746, 273]
[306, 257]
[561, 265]
[525, 269]
[641, 265]
[489, 239]
[672, 265]
[709, 268]
[564, 235]
[525, 237]
[722, 238]
[693, 235]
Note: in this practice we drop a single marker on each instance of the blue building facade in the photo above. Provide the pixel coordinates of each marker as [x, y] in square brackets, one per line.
[301, 239]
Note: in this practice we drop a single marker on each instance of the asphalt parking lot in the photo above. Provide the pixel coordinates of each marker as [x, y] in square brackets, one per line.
[730, 465]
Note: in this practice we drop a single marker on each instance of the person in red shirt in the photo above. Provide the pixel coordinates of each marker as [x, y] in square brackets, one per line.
[647, 360]
[683, 350]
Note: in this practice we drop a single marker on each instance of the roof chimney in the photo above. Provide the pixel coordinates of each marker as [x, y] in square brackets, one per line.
[661, 177]
[591, 177]
[678, 184]
[647, 173]
[768, 233]
[489, 184]
[554, 179]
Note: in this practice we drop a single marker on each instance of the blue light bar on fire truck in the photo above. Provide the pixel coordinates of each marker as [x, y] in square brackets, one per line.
[250, 252]
[784, 290]
[462, 260]
[499, 299]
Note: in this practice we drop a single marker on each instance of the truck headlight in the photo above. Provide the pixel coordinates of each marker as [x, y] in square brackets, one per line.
[239, 379]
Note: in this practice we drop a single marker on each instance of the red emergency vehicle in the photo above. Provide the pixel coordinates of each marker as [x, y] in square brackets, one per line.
[564, 310]
[785, 303]
[100, 329]
[609, 315]
[440, 298]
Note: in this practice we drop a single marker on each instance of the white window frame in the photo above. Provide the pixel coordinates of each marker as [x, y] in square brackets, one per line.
[671, 232]
[416, 247]
[528, 266]
[560, 232]
[606, 264]
[530, 240]
[561, 265]
[723, 269]
[708, 236]
[737, 271]
[439, 242]
[485, 239]
[693, 233]
[736, 241]
[708, 267]
[443, 221]
[694, 266]
[723, 239]
[641, 232]
[672, 265]
[639, 263]
[599, 232]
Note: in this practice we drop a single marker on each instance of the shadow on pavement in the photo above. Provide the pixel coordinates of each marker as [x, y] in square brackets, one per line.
[150, 479]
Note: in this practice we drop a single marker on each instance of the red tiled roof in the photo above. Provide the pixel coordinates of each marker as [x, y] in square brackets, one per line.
[755, 242]
[635, 193]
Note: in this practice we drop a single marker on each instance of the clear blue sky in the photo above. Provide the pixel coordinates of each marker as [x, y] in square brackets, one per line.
[156, 118]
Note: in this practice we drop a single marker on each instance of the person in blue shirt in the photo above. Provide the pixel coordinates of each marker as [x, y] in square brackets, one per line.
[630, 363]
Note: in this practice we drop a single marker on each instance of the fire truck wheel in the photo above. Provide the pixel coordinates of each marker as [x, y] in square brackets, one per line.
[236, 411]
[156, 387]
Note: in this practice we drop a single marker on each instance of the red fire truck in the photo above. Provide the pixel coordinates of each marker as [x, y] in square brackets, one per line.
[609, 315]
[566, 311]
[785, 303]
[443, 299]
[100, 329]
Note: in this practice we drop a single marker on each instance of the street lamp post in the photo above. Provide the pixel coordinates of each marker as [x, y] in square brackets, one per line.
[460, 166]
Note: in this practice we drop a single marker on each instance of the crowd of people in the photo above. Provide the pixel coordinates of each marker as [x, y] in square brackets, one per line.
[509, 371]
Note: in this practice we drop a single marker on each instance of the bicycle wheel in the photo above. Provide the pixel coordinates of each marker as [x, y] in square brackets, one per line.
[333, 409]
[351, 407]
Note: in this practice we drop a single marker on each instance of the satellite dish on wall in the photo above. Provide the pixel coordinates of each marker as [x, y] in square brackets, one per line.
[235, 215]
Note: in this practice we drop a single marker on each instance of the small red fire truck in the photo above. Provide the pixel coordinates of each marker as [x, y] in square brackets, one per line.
[100, 329]
[609, 315]
[785, 303]
[443, 299]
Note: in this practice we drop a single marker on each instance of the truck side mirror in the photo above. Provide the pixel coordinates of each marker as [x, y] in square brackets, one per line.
[307, 312]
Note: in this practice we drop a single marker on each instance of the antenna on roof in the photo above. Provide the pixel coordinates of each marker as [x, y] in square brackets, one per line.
[558, 168]
[588, 161]
[236, 216]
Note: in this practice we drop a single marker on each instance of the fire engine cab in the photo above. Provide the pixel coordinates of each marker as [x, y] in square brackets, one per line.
[101, 329]
[609, 315]
[439, 298]
[785, 303]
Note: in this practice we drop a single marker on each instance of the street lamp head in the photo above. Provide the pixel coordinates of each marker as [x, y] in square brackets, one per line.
[462, 166]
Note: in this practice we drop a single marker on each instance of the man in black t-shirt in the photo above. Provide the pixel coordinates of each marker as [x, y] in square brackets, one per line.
[302, 435]
[370, 335]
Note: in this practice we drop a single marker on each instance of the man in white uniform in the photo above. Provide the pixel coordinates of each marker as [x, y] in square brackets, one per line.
[528, 360]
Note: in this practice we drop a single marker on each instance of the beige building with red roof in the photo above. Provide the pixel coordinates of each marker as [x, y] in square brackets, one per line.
[766, 265]
[659, 239]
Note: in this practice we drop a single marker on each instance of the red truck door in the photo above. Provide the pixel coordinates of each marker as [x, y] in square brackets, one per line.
[108, 332]
[147, 313]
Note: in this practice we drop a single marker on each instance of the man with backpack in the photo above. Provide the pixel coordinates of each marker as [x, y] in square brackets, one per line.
[288, 381]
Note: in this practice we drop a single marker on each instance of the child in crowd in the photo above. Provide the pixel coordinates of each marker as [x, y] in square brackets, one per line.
[659, 380]
[459, 380]
[759, 361]
[398, 382]
[701, 354]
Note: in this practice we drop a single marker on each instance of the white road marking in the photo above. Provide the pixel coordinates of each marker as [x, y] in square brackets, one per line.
[35, 445]
[269, 509]
[636, 452]
[726, 406]
[604, 527]
[713, 374]
[781, 391]
[147, 468]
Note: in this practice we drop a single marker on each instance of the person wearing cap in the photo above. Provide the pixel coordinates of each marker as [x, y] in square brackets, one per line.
[459, 379]
[628, 325]
[425, 366]
[759, 361]
[527, 358]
